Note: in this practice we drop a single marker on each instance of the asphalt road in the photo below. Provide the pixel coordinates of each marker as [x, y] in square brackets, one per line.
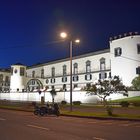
[18, 125]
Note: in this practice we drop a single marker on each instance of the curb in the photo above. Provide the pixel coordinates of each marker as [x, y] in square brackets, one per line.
[102, 118]
[88, 117]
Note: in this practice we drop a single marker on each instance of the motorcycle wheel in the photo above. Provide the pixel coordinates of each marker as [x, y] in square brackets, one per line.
[42, 113]
[36, 112]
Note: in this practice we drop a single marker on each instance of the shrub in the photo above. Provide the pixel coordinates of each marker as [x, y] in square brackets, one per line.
[124, 103]
[137, 104]
[63, 102]
[76, 102]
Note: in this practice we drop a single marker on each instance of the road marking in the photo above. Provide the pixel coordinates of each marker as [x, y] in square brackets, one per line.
[128, 124]
[38, 127]
[2, 119]
[96, 138]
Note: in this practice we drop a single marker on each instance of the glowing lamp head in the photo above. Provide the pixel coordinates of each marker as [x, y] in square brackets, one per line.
[63, 35]
[77, 41]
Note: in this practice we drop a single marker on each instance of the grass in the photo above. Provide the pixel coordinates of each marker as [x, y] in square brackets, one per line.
[131, 99]
[65, 110]
[101, 115]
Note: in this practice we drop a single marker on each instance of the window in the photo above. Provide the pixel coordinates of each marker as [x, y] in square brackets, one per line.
[102, 75]
[53, 72]
[117, 51]
[138, 48]
[7, 79]
[33, 74]
[102, 64]
[88, 77]
[21, 71]
[138, 70]
[42, 73]
[33, 82]
[109, 74]
[88, 66]
[75, 78]
[64, 70]
[47, 81]
[64, 79]
[53, 80]
[64, 87]
[75, 68]
[15, 71]
[1, 77]
[12, 71]
[75, 85]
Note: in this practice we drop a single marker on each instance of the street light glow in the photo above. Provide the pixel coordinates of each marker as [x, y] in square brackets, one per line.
[63, 35]
[77, 41]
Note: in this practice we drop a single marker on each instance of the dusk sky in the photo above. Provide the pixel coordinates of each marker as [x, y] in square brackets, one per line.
[29, 29]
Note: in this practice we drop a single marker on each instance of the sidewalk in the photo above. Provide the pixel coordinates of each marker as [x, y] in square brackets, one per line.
[91, 112]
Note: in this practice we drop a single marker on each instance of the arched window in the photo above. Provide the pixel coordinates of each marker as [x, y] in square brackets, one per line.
[102, 64]
[1, 77]
[53, 71]
[7, 79]
[88, 66]
[33, 74]
[42, 73]
[64, 70]
[75, 70]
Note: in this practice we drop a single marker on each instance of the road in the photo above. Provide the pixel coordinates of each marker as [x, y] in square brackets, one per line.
[18, 125]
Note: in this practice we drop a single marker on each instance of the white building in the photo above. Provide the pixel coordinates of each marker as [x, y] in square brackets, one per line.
[121, 59]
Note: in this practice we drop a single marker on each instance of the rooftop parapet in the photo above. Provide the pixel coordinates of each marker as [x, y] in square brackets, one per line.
[123, 35]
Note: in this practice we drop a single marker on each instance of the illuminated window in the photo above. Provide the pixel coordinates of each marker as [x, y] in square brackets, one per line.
[117, 51]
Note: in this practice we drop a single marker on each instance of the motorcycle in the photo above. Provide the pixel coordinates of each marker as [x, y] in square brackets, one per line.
[48, 110]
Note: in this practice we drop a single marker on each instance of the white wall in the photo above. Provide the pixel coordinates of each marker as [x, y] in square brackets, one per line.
[126, 64]
[77, 96]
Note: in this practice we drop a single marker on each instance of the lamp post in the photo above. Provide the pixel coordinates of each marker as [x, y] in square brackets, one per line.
[64, 35]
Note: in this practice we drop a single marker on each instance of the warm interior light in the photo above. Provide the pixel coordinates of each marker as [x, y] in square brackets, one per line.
[63, 35]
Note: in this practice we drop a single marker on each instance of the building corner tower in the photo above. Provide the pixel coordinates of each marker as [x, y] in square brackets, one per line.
[18, 78]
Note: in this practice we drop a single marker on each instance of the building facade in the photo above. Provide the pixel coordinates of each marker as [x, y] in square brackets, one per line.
[121, 59]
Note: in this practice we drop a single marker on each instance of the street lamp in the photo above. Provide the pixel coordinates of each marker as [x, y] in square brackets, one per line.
[64, 35]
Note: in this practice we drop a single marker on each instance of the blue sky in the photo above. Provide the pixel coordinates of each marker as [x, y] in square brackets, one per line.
[30, 28]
